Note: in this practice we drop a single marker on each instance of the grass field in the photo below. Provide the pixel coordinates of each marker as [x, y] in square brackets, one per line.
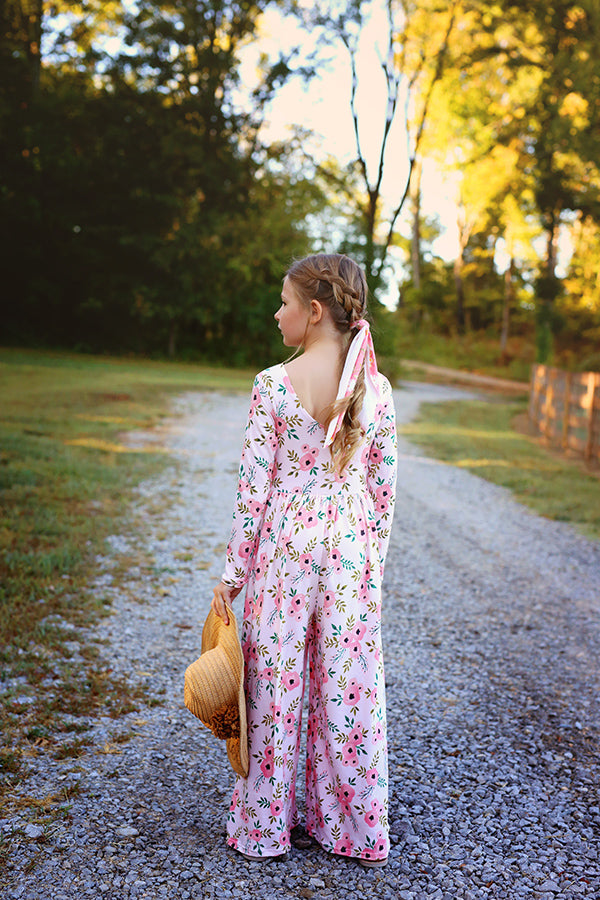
[482, 438]
[474, 352]
[66, 474]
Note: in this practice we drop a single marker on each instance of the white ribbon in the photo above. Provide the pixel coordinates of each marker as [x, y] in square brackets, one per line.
[361, 354]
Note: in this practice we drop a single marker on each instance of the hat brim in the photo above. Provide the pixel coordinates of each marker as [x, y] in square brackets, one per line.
[237, 748]
[202, 691]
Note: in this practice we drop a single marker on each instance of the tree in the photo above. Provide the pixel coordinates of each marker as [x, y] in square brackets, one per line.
[494, 195]
[578, 306]
[556, 45]
[411, 57]
[128, 230]
[21, 36]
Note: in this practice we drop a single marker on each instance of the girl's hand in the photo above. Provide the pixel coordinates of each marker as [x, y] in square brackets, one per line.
[223, 594]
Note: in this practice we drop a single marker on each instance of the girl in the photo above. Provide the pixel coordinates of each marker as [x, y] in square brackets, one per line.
[310, 533]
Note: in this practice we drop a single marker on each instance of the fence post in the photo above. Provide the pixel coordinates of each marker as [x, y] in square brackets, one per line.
[548, 384]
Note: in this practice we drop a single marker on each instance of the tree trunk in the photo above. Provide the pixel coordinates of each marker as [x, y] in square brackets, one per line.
[172, 347]
[34, 51]
[460, 291]
[372, 269]
[547, 291]
[464, 232]
[415, 242]
[551, 246]
[508, 304]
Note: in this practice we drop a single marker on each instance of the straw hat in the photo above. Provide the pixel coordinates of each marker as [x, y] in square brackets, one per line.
[214, 688]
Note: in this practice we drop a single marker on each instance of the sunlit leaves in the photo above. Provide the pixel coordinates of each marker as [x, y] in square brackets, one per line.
[583, 280]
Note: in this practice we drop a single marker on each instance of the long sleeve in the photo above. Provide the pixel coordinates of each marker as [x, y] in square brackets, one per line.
[381, 478]
[257, 468]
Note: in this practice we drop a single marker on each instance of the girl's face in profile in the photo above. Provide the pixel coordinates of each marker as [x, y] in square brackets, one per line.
[292, 316]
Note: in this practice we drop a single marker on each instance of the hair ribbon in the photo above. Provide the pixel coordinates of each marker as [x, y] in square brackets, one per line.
[361, 354]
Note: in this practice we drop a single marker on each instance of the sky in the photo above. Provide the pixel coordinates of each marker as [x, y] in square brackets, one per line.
[323, 106]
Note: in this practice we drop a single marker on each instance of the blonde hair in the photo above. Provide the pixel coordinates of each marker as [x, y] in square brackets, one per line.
[340, 284]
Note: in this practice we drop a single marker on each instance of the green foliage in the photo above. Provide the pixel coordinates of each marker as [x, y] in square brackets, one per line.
[590, 363]
[518, 120]
[578, 306]
[543, 332]
[139, 210]
[475, 351]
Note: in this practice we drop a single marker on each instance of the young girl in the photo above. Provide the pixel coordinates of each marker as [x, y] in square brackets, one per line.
[310, 533]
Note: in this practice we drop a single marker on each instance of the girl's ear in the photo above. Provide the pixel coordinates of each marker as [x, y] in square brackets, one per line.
[316, 312]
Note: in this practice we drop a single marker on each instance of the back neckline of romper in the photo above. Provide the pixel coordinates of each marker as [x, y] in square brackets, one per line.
[296, 397]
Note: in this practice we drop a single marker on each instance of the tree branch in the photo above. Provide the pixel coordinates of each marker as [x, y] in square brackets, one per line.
[437, 74]
[392, 84]
[353, 88]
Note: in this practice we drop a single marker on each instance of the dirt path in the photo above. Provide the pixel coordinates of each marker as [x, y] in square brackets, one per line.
[492, 642]
[473, 379]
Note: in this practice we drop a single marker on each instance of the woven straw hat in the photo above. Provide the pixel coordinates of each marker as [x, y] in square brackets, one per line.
[214, 688]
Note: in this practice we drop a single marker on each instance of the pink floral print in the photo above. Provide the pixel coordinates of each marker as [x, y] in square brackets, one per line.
[310, 546]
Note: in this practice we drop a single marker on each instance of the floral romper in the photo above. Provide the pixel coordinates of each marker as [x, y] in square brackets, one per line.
[311, 546]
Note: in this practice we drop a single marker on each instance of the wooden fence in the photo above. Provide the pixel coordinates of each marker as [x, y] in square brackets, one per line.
[564, 407]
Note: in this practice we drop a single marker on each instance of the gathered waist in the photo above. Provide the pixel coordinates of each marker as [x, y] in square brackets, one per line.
[331, 494]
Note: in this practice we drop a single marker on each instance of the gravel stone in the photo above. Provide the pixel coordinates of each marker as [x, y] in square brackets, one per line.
[127, 831]
[491, 640]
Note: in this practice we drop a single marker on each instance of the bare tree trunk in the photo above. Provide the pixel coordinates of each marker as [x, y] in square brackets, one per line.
[396, 72]
[371, 265]
[172, 347]
[508, 304]
[460, 291]
[35, 11]
[415, 241]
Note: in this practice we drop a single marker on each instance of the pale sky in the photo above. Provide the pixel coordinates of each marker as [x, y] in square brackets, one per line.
[323, 106]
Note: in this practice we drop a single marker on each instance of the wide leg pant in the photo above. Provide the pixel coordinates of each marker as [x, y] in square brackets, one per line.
[324, 629]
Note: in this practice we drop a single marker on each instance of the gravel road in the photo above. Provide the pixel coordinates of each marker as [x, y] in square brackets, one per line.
[492, 643]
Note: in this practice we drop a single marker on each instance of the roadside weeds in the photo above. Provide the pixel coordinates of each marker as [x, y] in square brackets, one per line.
[77, 435]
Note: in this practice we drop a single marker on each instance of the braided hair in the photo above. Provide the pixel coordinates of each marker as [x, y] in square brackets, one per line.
[340, 284]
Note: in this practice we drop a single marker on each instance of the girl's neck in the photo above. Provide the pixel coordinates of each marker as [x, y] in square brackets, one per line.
[325, 342]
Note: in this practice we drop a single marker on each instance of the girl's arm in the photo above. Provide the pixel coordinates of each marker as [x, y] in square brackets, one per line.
[381, 478]
[257, 468]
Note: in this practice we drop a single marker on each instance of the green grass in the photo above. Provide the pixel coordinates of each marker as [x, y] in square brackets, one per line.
[481, 437]
[64, 467]
[475, 352]
[66, 474]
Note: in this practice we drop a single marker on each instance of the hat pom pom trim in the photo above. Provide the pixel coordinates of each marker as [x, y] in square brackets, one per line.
[225, 722]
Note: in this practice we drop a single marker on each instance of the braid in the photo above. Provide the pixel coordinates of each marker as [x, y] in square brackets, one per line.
[346, 296]
[350, 436]
[340, 284]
